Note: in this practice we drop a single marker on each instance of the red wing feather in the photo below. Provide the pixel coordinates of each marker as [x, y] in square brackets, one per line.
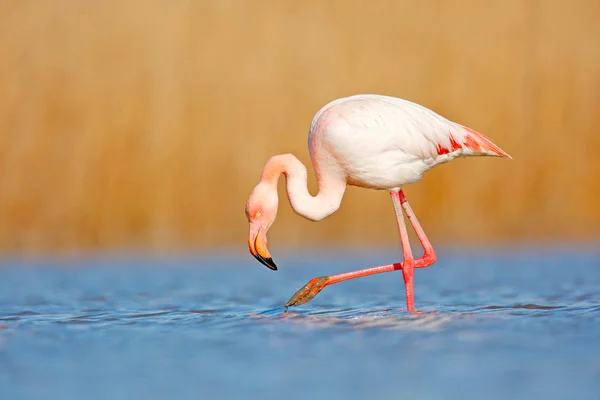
[477, 142]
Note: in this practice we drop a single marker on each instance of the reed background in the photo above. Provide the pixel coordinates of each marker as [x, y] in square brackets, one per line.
[145, 124]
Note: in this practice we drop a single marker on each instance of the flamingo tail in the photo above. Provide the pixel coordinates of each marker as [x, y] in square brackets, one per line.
[480, 144]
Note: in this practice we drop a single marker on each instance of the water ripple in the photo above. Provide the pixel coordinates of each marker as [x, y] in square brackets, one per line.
[221, 332]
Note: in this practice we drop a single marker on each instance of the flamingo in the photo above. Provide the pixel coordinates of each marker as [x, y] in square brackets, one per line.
[371, 141]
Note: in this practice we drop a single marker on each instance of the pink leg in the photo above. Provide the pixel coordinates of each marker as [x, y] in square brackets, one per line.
[429, 256]
[315, 285]
[408, 263]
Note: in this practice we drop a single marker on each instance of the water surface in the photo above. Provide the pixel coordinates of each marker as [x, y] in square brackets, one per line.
[491, 325]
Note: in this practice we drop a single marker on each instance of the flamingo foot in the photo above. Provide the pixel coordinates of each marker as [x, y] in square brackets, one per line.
[308, 291]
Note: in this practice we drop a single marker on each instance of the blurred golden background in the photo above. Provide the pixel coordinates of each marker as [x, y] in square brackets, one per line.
[145, 124]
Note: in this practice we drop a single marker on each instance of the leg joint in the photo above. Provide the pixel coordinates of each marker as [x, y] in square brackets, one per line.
[428, 258]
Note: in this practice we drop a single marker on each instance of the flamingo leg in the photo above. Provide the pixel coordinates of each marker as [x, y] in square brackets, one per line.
[315, 285]
[429, 255]
[408, 263]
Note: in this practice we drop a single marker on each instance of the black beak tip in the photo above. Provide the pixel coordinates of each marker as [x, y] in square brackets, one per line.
[270, 263]
[267, 262]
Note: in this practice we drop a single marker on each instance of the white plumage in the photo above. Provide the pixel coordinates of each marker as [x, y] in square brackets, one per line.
[383, 142]
[372, 141]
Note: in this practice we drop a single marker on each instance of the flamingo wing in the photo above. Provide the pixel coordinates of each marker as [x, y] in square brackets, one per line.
[382, 141]
[415, 129]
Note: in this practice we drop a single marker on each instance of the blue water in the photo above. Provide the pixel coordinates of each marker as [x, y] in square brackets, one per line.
[493, 325]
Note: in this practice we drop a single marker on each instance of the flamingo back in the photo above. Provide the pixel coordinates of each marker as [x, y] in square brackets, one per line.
[383, 142]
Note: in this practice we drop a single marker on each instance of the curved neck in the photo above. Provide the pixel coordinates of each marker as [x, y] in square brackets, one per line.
[326, 202]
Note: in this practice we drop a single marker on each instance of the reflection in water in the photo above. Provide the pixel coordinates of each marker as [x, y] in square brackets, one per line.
[357, 318]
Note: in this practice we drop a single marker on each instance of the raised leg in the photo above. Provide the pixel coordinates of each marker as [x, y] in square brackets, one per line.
[315, 285]
[429, 256]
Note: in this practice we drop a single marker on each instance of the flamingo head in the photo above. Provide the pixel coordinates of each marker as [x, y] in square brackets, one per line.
[261, 210]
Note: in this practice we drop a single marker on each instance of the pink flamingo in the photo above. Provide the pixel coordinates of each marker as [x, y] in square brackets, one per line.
[371, 141]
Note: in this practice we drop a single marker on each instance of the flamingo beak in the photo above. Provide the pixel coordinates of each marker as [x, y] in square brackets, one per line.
[257, 243]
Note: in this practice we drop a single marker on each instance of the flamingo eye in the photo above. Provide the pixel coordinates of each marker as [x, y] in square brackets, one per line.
[258, 214]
